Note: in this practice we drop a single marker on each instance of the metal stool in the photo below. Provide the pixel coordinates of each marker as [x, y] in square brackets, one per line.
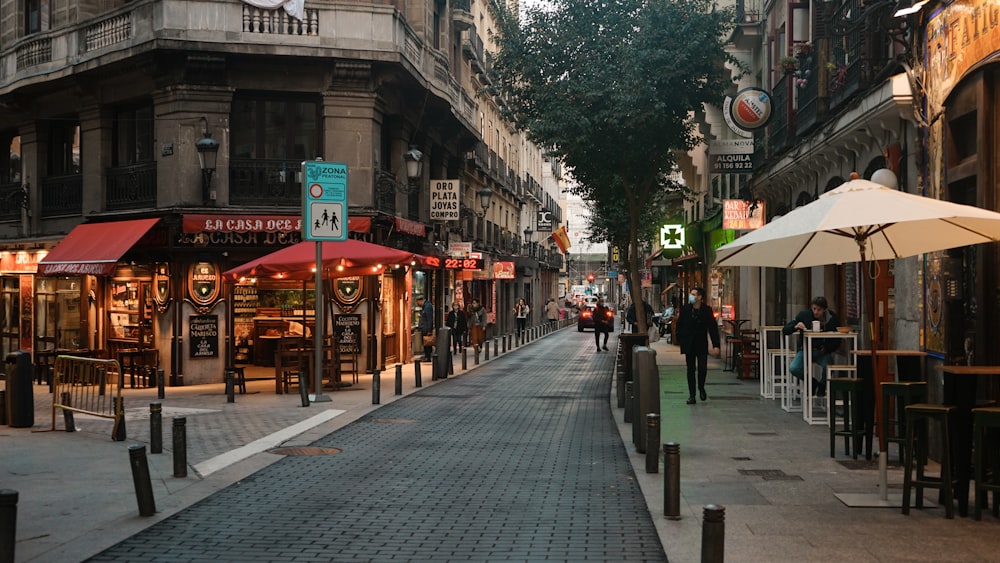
[923, 412]
[847, 388]
[986, 456]
[894, 427]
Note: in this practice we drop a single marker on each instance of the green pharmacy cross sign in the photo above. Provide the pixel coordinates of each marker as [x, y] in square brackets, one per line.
[672, 236]
[324, 201]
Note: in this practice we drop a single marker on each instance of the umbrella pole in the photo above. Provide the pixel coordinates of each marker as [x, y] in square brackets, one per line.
[883, 460]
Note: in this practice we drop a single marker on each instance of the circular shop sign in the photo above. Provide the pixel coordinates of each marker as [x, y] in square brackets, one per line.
[751, 108]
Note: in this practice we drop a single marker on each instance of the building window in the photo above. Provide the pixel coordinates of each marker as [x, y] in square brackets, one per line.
[32, 16]
[133, 135]
[64, 148]
[272, 128]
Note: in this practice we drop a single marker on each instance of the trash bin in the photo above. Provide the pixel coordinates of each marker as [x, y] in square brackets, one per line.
[20, 393]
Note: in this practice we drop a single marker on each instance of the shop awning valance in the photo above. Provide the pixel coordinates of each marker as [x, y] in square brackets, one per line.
[94, 248]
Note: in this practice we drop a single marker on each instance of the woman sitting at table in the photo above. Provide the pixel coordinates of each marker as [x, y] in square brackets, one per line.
[822, 348]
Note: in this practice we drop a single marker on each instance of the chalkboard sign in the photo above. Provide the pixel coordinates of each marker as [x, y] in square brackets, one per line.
[347, 331]
[204, 336]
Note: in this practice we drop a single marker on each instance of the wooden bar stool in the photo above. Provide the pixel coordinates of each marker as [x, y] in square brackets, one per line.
[917, 447]
[847, 389]
[986, 457]
[894, 426]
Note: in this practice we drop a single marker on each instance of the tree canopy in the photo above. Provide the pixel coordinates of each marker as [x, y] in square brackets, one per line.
[611, 86]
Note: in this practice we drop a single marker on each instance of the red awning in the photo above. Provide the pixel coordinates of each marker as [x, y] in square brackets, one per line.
[94, 248]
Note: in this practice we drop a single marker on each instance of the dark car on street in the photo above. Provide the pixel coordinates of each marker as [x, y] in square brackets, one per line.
[586, 318]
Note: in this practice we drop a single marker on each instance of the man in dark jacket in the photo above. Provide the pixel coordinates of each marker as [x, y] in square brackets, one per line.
[426, 324]
[695, 325]
[820, 311]
[458, 323]
[602, 316]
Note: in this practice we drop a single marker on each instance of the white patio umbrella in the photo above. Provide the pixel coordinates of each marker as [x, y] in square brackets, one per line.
[862, 221]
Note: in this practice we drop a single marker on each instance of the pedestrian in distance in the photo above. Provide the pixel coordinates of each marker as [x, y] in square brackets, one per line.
[602, 316]
[819, 311]
[521, 311]
[631, 319]
[426, 326]
[552, 312]
[477, 324]
[695, 326]
[458, 323]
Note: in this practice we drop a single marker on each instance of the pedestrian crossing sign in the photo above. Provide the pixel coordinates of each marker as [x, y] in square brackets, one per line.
[324, 201]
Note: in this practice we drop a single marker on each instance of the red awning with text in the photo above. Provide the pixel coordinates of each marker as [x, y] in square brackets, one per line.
[202, 223]
[94, 248]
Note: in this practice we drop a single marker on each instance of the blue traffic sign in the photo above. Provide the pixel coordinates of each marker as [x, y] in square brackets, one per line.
[324, 201]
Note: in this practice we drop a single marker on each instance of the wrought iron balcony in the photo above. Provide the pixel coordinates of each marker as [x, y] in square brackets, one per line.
[129, 187]
[62, 195]
[12, 198]
[255, 181]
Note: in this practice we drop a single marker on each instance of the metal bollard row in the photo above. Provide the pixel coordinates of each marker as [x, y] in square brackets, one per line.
[417, 379]
[155, 428]
[399, 379]
[652, 443]
[713, 534]
[376, 387]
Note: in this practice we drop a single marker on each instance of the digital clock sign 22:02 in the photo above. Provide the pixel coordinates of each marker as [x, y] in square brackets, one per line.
[455, 263]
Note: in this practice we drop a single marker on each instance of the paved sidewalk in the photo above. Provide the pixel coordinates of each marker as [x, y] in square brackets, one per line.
[774, 476]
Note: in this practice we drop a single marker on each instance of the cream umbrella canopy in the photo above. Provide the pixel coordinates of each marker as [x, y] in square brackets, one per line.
[861, 221]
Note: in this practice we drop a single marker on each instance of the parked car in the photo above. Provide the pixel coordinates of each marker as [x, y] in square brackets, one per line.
[586, 318]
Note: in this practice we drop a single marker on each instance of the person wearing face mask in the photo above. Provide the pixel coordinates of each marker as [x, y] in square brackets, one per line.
[695, 325]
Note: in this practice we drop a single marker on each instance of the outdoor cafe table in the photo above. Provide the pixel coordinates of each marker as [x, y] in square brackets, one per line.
[960, 386]
[807, 346]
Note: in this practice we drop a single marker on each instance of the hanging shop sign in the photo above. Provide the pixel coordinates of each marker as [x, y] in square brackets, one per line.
[742, 215]
[750, 109]
[672, 236]
[503, 271]
[203, 334]
[161, 287]
[348, 291]
[444, 200]
[543, 222]
[731, 156]
[203, 284]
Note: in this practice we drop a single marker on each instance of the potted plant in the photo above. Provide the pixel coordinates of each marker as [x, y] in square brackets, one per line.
[788, 63]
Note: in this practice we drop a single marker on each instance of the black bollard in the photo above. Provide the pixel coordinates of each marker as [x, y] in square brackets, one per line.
[417, 380]
[672, 481]
[486, 350]
[503, 345]
[3, 406]
[376, 387]
[140, 478]
[303, 389]
[67, 414]
[155, 428]
[118, 432]
[449, 366]
[652, 443]
[230, 386]
[159, 384]
[495, 345]
[465, 359]
[713, 534]
[180, 446]
[399, 379]
[475, 355]
[628, 401]
[8, 524]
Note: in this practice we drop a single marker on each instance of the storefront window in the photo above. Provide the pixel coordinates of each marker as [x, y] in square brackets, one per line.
[57, 314]
[10, 307]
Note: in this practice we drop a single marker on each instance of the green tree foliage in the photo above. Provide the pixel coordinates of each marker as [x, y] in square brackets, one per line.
[612, 85]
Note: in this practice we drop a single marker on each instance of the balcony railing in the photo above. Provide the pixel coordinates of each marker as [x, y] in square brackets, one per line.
[11, 198]
[807, 93]
[131, 187]
[255, 181]
[62, 195]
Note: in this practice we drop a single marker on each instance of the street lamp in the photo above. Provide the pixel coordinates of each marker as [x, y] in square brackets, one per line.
[527, 238]
[414, 162]
[485, 195]
[208, 151]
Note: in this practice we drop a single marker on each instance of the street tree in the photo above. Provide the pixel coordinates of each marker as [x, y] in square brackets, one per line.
[612, 87]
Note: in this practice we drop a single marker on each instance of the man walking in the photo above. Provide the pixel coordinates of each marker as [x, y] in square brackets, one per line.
[695, 325]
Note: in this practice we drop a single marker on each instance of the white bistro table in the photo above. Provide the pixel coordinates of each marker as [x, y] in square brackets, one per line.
[807, 345]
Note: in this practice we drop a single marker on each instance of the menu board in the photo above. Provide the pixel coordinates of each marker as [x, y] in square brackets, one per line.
[204, 336]
[347, 332]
